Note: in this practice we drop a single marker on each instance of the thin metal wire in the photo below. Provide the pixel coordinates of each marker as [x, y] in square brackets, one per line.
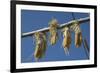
[86, 48]
[73, 16]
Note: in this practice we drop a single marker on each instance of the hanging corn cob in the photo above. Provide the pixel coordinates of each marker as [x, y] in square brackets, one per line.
[53, 31]
[78, 34]
[67, 39]
[40, 47]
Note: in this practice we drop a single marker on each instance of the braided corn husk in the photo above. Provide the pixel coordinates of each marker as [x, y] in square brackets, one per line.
[40, 47]
[67, 40]
[53, 31]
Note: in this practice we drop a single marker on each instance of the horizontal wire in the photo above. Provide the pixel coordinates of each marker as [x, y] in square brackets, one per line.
[46, 29]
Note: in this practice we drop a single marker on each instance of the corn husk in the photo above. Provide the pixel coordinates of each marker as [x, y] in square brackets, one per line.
[40, 47]
[78, 34]
[78, 39]
[67, 40]
[53, 31]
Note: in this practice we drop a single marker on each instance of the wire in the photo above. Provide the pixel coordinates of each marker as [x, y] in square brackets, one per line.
[86, 48]
[73, 16]
[46, 29]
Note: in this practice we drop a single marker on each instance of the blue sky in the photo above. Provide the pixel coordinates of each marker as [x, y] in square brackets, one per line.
[34, 20]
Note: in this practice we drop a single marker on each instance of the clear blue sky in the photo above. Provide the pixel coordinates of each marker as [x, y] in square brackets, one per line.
[34, 20]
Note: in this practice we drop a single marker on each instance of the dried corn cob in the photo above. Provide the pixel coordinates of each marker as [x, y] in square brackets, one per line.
[78, 39]
[53, 31]
[67, 40]
[40, 47]
[78, 34]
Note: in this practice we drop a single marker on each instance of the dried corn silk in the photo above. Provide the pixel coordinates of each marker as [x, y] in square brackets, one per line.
[53, 31]
[40, 47]
[67, 40]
